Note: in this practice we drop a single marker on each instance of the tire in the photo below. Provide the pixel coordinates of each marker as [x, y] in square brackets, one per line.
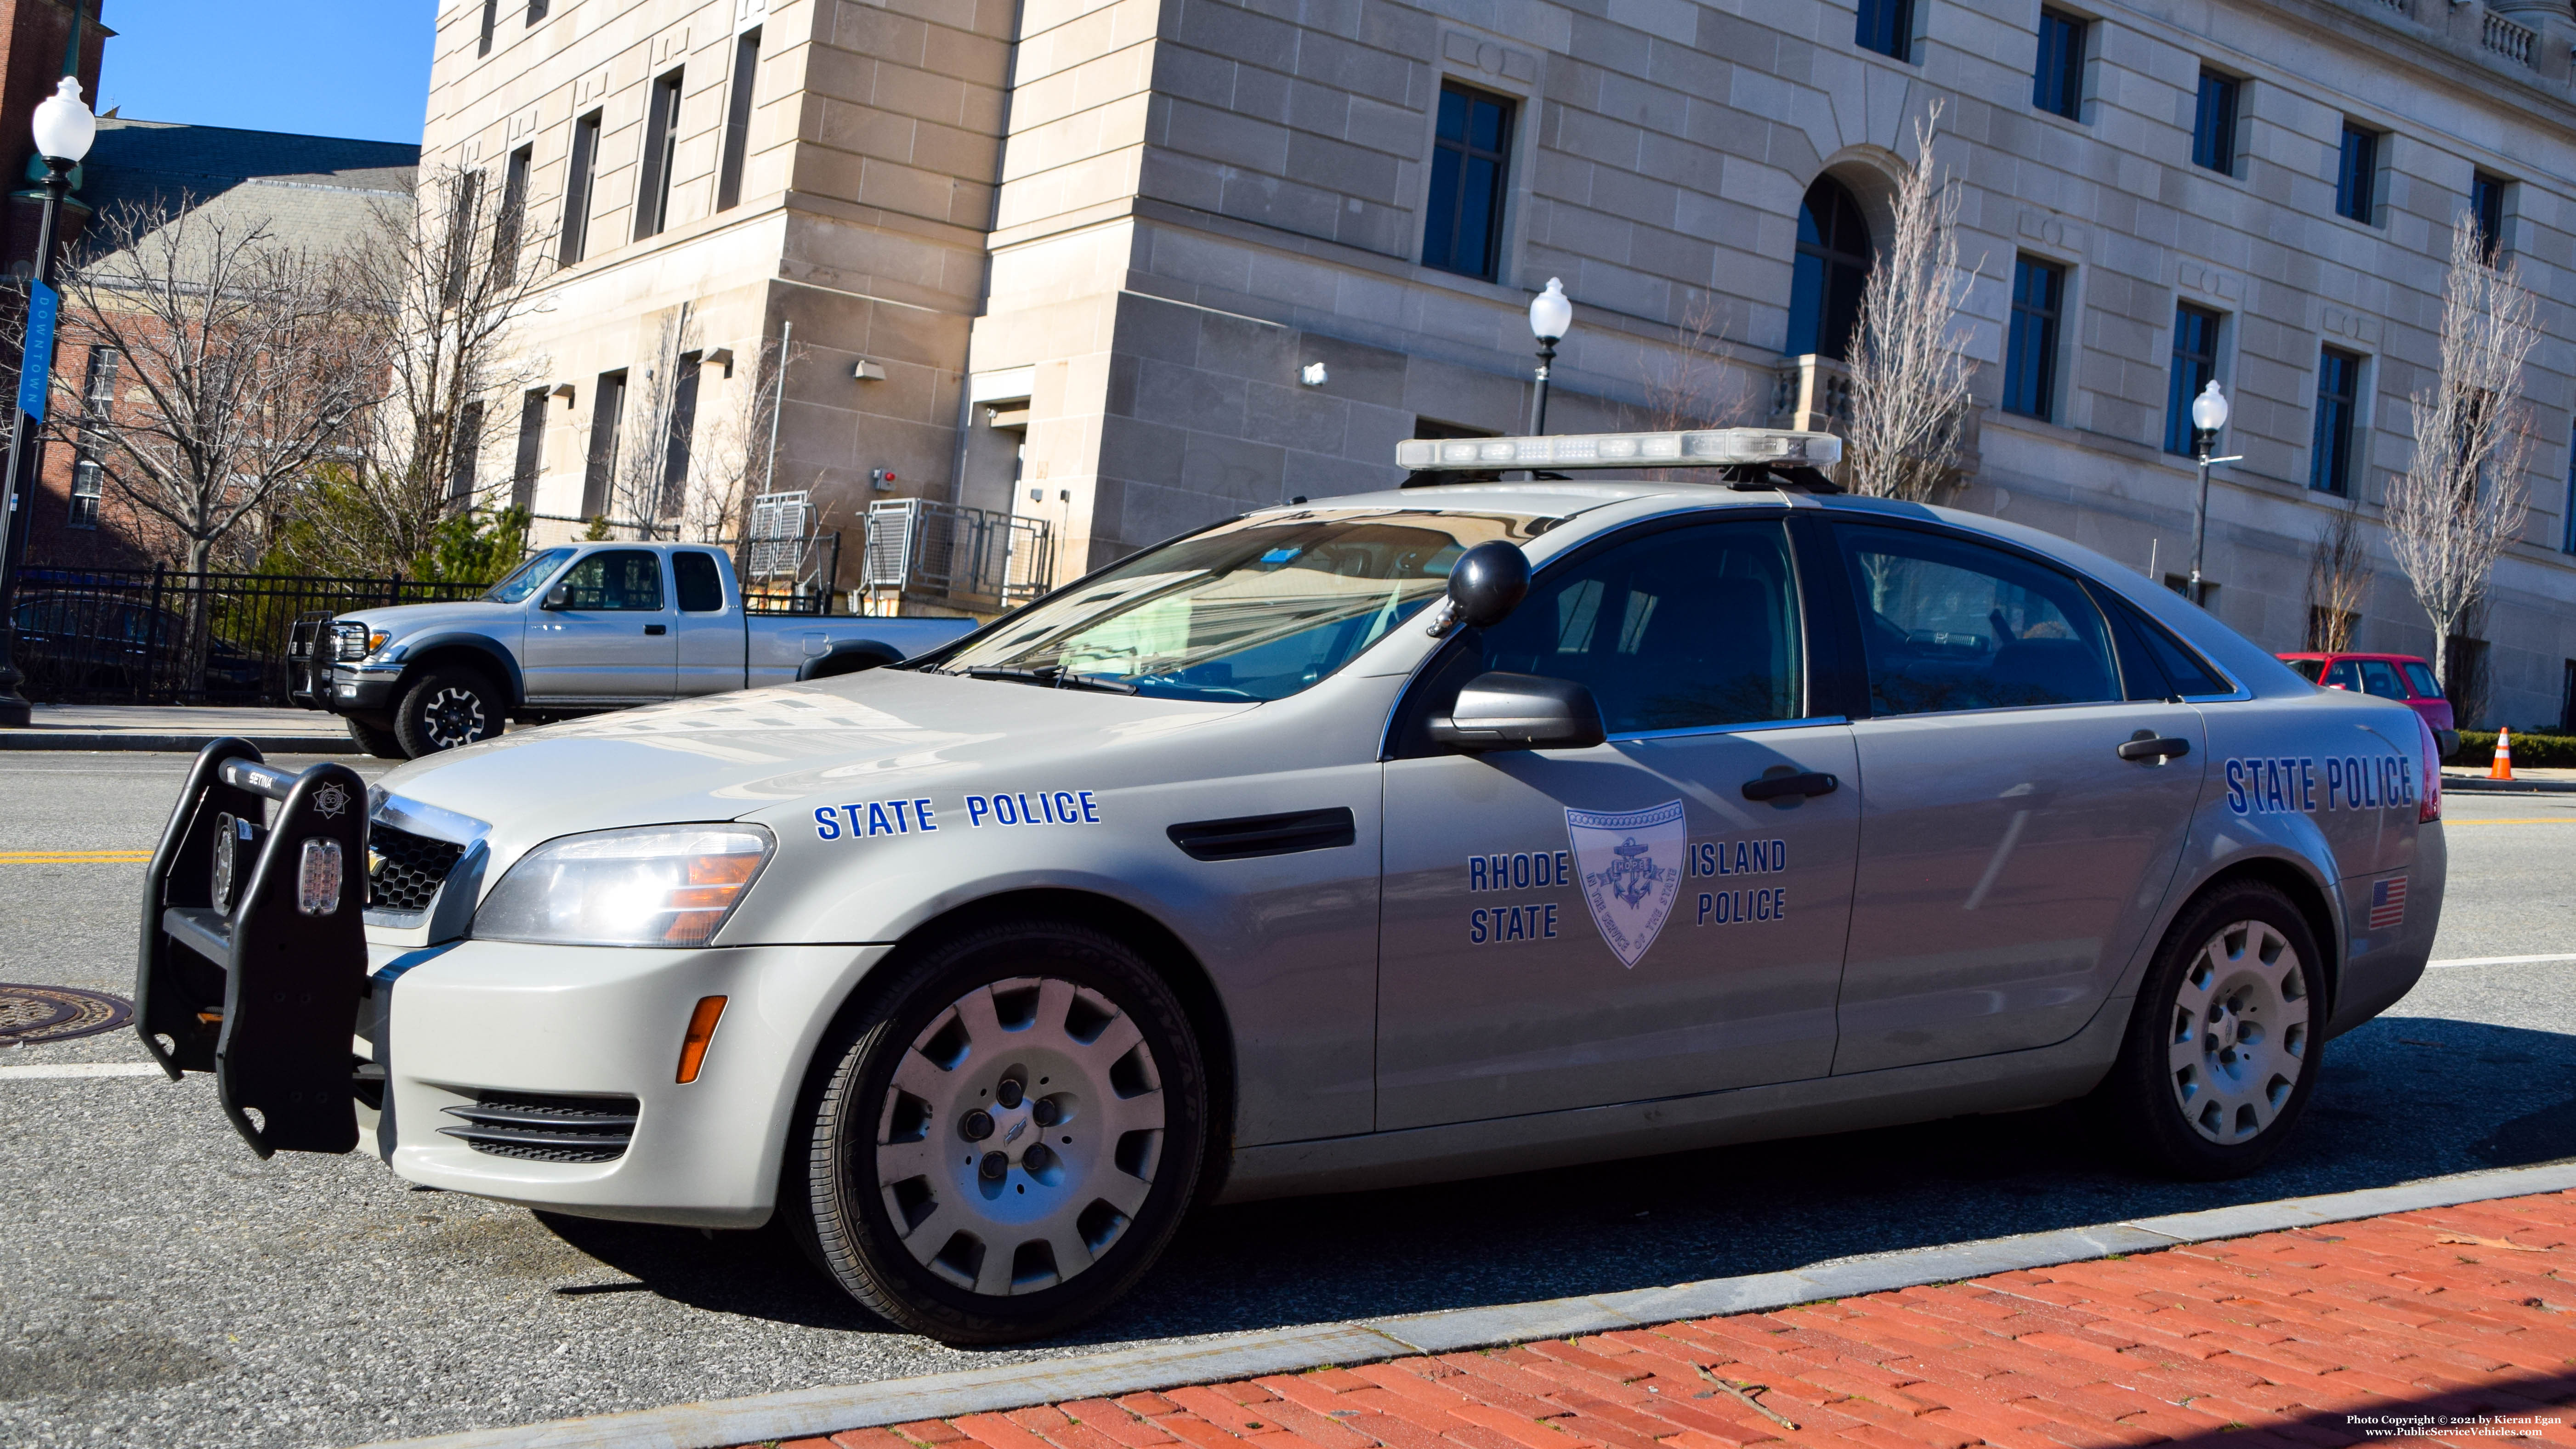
[2227, 1039]
[375, 739]
[448, 707]
[893, 1186]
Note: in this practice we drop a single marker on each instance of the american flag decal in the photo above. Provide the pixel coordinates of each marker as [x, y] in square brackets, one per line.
[2387, 903]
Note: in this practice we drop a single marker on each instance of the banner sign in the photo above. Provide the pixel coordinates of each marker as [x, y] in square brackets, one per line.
[35, 368]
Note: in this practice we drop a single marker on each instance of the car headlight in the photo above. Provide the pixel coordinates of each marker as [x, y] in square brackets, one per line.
[665, 885]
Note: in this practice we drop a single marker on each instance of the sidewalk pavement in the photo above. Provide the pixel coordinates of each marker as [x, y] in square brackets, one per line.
[2527, 780]
[179, 728]
[2452, 1325]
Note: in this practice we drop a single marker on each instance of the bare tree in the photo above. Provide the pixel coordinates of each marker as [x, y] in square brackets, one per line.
[240, 362]
[442, 282]
[649, 490]
[2461, 500]
[1689, 386]
[2340, 573]
[1909, 382]
[733, 463]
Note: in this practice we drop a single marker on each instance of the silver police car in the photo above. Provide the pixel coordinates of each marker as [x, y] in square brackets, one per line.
[1463, 829]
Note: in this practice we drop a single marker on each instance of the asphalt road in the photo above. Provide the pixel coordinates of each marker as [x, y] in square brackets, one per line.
[158, 1284]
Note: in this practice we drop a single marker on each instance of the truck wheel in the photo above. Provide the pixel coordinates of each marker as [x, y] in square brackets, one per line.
[1001, 1143]
[375, 739]
[448, 707]
[2227, 1039]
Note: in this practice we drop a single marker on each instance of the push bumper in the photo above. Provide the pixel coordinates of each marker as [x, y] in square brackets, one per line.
[362, 690]
[496, 1053]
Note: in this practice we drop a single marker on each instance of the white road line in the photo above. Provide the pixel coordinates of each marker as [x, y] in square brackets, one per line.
[71, 1070]
[2498, 961]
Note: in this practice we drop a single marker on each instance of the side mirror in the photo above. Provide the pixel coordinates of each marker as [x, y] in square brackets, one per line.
[1485, 585]
[1499, 711]
[557, 598]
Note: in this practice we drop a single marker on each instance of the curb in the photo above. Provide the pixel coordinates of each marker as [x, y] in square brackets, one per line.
[2481, 785]
[806, 1412]
[339, 744]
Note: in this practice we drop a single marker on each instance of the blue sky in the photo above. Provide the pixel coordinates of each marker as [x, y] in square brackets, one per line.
[321, 67]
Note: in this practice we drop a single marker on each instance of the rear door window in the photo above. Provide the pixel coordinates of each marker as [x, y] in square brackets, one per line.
[694, 577]
[1949, 625]
[2420, 675]
[2379, 677]
[2346, 674]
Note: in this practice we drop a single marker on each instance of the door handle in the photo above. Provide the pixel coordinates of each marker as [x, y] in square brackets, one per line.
[1808, 784]
[2148, 747]
[657, 628]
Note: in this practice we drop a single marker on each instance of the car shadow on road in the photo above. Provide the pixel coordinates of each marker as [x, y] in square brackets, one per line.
[2400, 1099]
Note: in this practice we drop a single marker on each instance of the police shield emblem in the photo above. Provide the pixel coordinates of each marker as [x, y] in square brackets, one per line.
[1630, 868]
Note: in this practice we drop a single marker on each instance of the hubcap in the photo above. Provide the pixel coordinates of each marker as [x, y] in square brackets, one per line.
[1020, 1136]
[2240, 1033]
[454, 717]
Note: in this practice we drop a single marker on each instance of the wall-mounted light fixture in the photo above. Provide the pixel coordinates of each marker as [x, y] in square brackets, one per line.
[718, 357]
[1313, 374]
[564, 390]
[866, 371]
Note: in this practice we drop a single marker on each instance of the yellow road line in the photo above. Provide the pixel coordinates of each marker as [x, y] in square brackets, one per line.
[71, 857]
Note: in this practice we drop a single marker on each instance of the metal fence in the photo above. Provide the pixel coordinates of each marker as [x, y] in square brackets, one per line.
[158, 636]
[945, 553]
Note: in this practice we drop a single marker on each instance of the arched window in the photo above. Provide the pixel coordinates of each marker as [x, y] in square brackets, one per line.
[1833, 267]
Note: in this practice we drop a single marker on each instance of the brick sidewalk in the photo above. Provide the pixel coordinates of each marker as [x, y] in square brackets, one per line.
[2287, 1339]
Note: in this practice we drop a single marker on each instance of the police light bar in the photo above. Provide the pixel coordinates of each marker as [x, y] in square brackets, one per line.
[1702, 448]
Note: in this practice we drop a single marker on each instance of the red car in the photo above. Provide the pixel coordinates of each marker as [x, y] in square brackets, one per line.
[2390, 676]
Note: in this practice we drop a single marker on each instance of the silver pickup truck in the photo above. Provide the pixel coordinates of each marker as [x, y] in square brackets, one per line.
[575, 630]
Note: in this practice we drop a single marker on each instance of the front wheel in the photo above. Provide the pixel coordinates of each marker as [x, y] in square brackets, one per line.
[448, 708]
[2227, 1039]
[1005, 1139]
[375, 739]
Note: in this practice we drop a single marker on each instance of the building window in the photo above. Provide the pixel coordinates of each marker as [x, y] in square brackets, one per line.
[532, 442]
[661, 154]
[676, 438]
[2213, 125]
[89, 469]
[605, 407]
[1832, 271]
[578, 176]
[536, 11]
[491, 22]
[464, 451]
[2486, 205]
[464, 199]
[2357, 174]
[2195, 363]
[2057, 82]
[2567, 699]
[737, 130]
[2030, 350]
[2567, 520]
[2338, 414]
[1886, 26]
[87, 477]
[511, 221]
[1470, 165]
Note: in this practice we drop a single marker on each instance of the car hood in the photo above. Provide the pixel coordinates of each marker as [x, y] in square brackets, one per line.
[726, 756]
[402, 621]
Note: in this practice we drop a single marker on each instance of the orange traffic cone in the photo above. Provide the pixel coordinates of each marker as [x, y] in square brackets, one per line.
[2502, 769]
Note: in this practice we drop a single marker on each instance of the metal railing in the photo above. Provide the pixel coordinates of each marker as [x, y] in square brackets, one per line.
[948, 554]
[159, 636]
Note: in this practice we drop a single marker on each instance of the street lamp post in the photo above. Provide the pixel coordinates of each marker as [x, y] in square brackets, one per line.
[1551, 317]
[64, 129]
[2208, 415]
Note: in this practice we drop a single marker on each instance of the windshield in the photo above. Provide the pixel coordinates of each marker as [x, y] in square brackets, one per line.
[1253, 610]
[525, 579]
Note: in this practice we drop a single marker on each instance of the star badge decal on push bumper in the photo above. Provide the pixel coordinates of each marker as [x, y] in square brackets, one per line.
[1629, 866]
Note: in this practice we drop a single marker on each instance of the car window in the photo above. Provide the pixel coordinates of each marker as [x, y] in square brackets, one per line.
[2346, 674]
[693, 578]
[2191, 675]
[1690, 628]
[614, 579]
[2308, 669]
[1950, 625]
[2420, 675]
[2379, 677]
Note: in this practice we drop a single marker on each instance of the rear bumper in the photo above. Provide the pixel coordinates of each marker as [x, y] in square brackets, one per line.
[2385, 961]
[493, 1019]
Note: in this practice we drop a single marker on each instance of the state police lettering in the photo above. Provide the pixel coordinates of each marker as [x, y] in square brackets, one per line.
[2271, 785]
[1516, 871]
[875, 817]
[1046, 807]
[1734, 858]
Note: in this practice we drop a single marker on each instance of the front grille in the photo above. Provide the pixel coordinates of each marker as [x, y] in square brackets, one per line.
[545, 1128]
[406, 869]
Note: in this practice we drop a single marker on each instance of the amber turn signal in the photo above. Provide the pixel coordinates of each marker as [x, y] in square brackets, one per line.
[702, 1029]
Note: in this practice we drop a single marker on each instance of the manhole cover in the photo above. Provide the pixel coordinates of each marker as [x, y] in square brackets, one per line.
[57, 1013]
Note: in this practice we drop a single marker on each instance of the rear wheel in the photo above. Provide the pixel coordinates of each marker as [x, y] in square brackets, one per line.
[375, 739]
[446, 708]
[2227, 1038]
[1004, 1140]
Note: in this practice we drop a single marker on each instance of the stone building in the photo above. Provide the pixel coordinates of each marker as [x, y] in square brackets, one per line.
[1074, 260]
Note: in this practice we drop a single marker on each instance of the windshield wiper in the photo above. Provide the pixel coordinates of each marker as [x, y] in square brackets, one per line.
[1054, 676]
